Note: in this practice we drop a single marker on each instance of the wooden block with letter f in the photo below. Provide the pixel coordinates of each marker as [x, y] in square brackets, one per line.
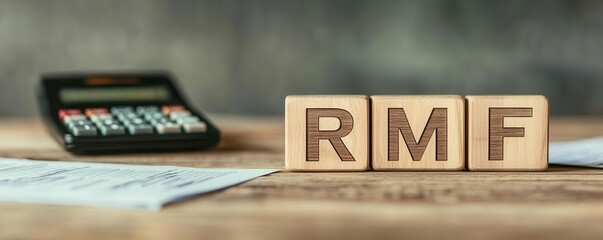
[507, 133]
[327, 133]
[418, 133]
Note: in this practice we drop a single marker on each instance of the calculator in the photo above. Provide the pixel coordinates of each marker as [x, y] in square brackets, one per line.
[103, 113]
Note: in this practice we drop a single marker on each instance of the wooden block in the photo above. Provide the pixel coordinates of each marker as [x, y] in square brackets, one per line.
[418, 132]
[507, 133]
[326, 133]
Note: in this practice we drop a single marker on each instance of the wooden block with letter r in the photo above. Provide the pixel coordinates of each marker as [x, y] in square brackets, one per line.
[418, 133]
[507, 133]
[327, 133]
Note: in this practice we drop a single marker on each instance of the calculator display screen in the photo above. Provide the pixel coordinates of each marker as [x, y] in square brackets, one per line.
[72, 95]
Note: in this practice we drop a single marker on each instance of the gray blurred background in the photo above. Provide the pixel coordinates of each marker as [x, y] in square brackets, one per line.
[244, 57]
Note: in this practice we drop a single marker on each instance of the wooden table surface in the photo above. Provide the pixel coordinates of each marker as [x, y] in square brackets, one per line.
[562, 202]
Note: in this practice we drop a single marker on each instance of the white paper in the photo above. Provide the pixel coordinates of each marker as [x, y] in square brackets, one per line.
[112, 185]
[585, 152]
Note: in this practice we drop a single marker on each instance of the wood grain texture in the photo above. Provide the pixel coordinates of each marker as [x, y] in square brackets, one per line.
[507, 133]
[559, 203]
[313, 143]
[417, 133]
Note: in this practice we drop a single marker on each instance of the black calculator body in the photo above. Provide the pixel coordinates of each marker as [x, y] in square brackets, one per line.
[91, 113]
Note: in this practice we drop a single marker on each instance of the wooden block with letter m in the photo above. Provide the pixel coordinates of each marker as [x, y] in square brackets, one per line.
[507, 133]
[327, 133]
[418, 133]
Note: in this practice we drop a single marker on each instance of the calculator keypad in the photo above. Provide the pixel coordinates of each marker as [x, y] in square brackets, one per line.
[128, 120]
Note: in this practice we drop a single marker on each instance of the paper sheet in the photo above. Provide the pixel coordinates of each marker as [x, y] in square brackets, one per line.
[111, 185]
[585, 152]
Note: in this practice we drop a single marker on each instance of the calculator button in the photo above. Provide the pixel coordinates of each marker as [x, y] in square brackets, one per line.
[176, 115]
[168, 128]
[146, 109]
[112, 130]
[134, 121]
[189, 119]
[154, 115]
[140, 129]
[122, 109]
[71, 124]
[160, 121]
[127, 116]
[100, 117]
[83, 131]
[106, 122]
[70, 118]
[195, 127]
[96, 111]
[68, 112]
[172, 108]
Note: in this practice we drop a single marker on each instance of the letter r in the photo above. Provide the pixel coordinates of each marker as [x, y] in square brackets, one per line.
[314, 134]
